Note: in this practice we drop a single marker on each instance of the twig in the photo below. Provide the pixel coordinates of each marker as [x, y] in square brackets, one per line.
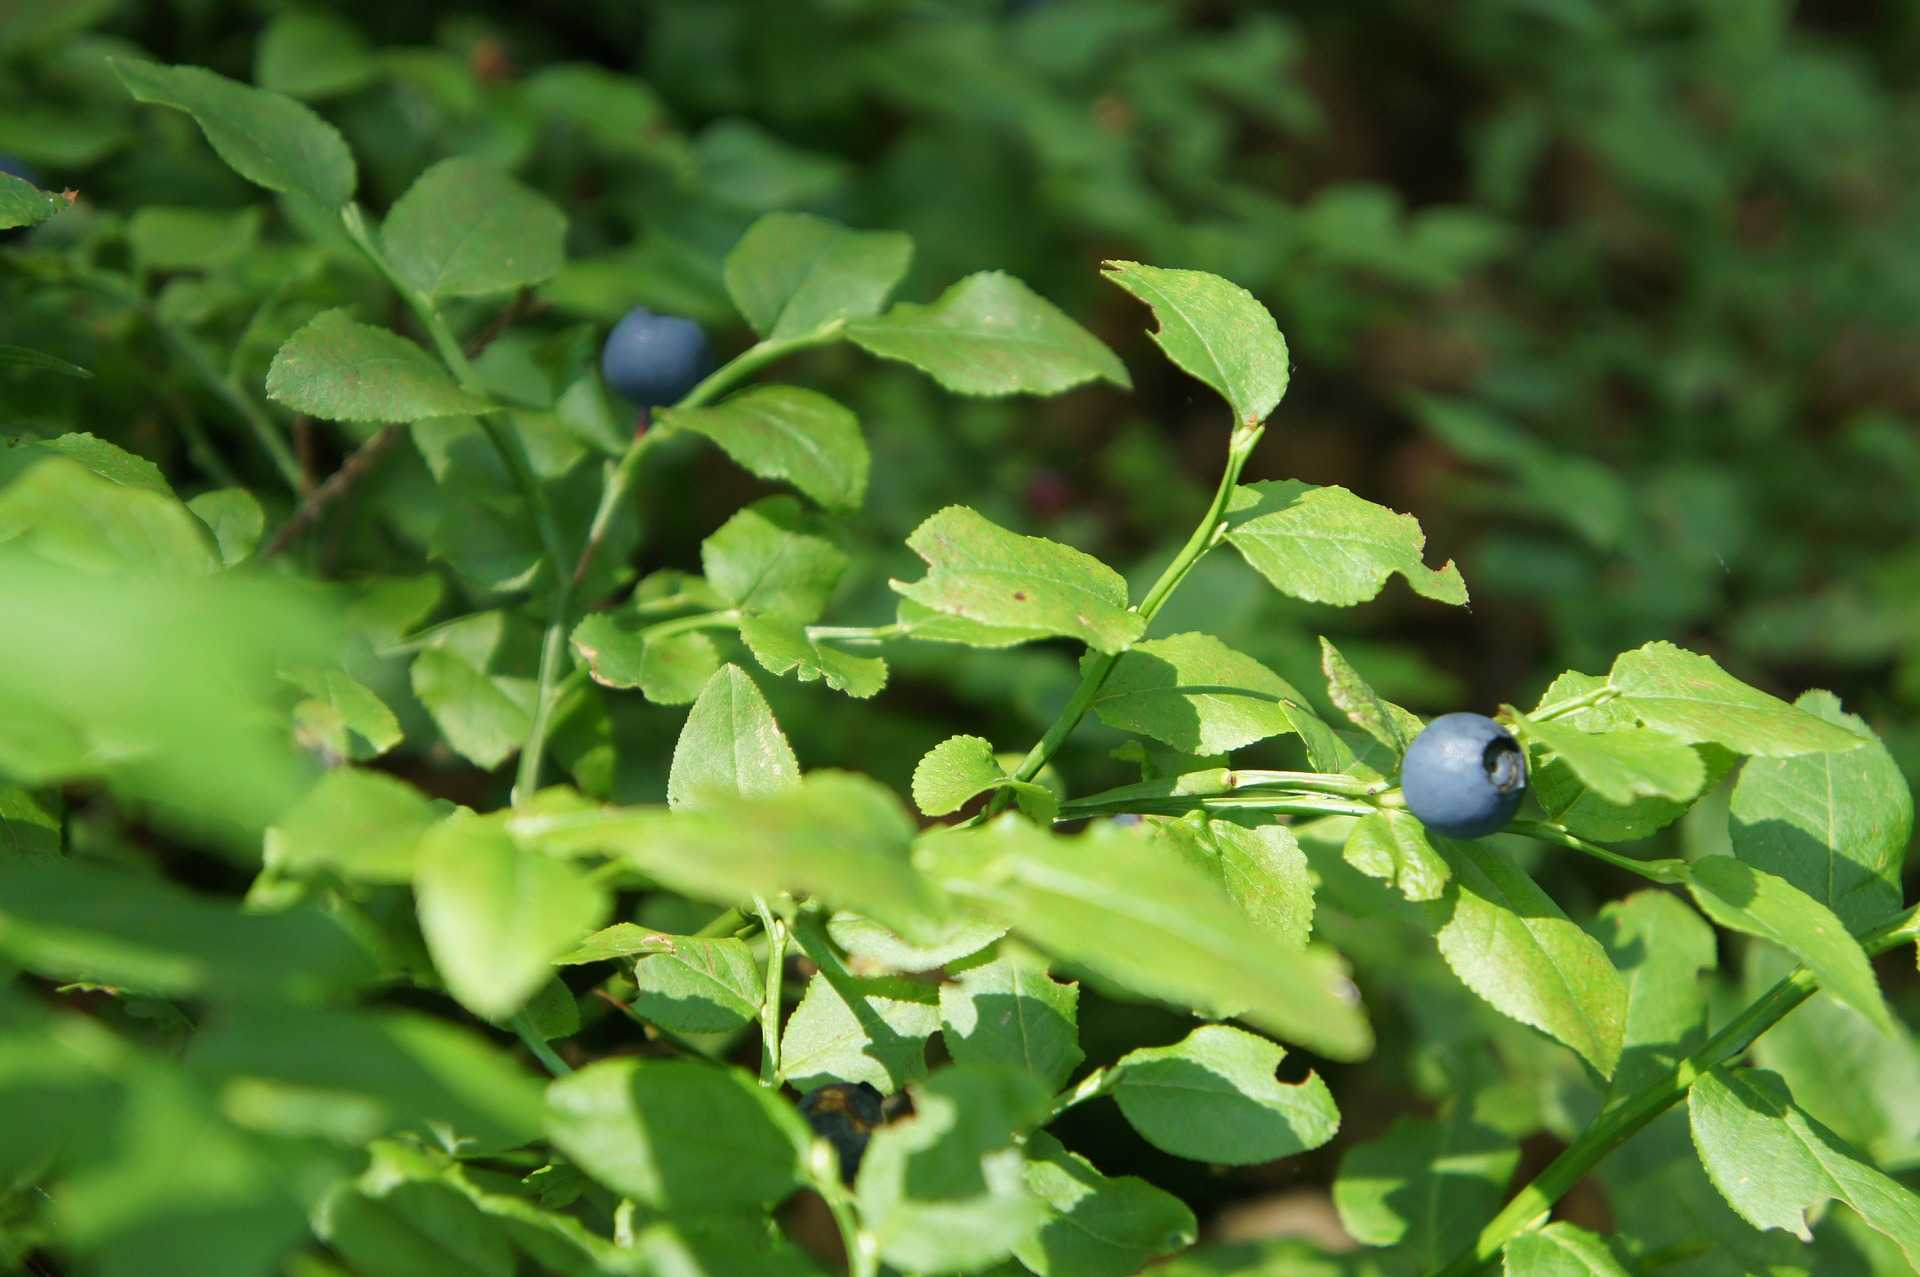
[351, 471]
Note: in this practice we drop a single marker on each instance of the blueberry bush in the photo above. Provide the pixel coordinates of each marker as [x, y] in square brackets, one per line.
[539, 733]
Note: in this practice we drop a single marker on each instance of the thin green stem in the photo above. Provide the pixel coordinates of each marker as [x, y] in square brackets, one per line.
[730, 922]
[538, 1045]
[1206, 534]
[1671, 872]
[626, 471]
[224, 387]
[513, 453]
[770, 1006]
[1621, 1121]
[1573, 704]
[1182, 804]
[1092, 1085]
[857, 633]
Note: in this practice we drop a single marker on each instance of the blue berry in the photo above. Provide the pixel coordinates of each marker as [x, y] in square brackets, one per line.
[844, 1114]
[652, 359]
[1463, 776]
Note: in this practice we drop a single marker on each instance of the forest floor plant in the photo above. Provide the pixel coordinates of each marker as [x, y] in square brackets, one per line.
[152, 654]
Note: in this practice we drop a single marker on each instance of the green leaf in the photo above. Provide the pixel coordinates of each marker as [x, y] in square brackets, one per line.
[961, 768]
[1689, 696]
[1216, 331]
[359, 824]
[552, 1012]
[1118, 907]
[1742, 898]
[305, 54]
[484, 716]
[1213, 1097]
[1097, 1225]
[699, 986]
[990, 335]
[1262, 868]
[786, 433]
[350, 1076]
[340, 370]
[192, 238]
[1661, 949]
[730, 746]
[1774, 1164]
[774, 558]
[1562, 1250]
[495, 917]
[669, 669]
[1568, 799]
[342, 715]
[29, 822]
[1011, 1012]
[945, 1190]
[67, 920]
[38, 361]
[1371, 713]
[1391, 844]
[1196, 694]
[1326, 545]
[949, 942]
[411, 1228]
[1428, 1183]
[24, 204]
[235, 518]
[465, 229]
[784, 647]
[678, 1135]
[1620, 766]
[1835, 825]
[270, 140]
[853, 1029]
[1508, 942]
[1031, 586]
[838, 836]
[69, 513]
[793, 274]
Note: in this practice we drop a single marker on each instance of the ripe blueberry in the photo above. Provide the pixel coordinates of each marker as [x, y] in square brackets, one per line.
[654, 359]
[1463, 776]
[844, 1114]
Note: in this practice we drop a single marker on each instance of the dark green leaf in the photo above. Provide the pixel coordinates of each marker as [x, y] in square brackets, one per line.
[678, 1135]
[341, 370]
[786, 433]
[465, 229]
[268, 139]
[1097, 1226]
[1196, 694]
[793, 274]
[1011, 1012]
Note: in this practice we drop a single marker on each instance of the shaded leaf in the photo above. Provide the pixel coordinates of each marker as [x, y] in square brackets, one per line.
[1213, 1097]
[465, 229]
[1011, 1012]
[774, 558]
[1097, 1225]
[786, 433]
[793, 274]
[270, 140]
[1196, 694]
[1391, 844]
[341, 370]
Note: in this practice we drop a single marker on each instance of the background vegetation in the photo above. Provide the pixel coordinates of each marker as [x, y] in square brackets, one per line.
[1623, 299]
